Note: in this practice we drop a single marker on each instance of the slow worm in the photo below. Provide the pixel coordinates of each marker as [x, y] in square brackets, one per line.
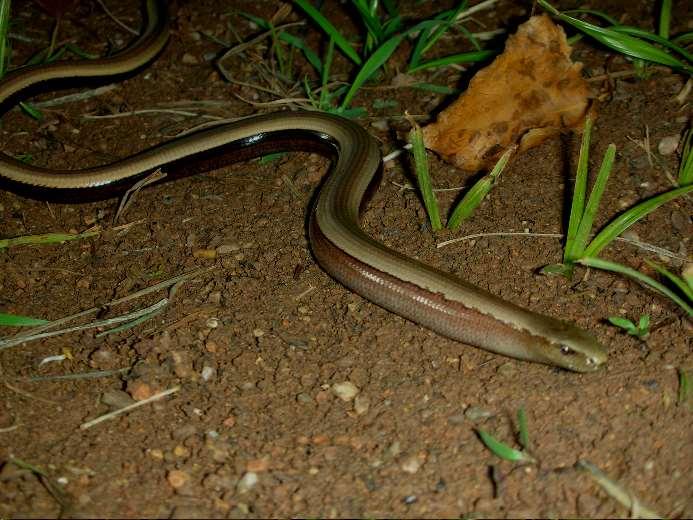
[400, 284]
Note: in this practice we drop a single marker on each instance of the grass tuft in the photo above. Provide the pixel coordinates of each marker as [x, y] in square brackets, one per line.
[476, 193]
[505, 452]
[640, 330]
[423, 176]
[631, 41]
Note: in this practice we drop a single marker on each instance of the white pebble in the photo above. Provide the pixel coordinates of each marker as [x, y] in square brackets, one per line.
[346, 391]
[411, 465]
[247, 482]
[668, 144]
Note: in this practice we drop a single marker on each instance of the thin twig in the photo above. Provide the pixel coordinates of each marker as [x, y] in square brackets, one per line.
[61, 321]
[84, 375]
[617, 491]
[128, 408]
[641, 245]
[149, 111]
[116, 20]
[72, 98]
[133, 190]
[29, 395]
[94, 324]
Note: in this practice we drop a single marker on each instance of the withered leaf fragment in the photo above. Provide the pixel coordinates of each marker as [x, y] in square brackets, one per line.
[529, 93]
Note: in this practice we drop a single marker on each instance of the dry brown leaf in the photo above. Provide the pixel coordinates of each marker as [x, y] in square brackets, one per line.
[529, 93]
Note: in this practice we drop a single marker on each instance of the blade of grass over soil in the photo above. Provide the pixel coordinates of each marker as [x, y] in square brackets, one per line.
[4, 42]
[685, 176]
[640, 330]
[423, 176]
[606, 265]
[665, 19]
[455, 59]
[522, 427]
[681, 284]
[622, 41]
[685, 396]
[476, 194]
[502, 450]
[585, 226]
[580, 188]
[616, 491]
[630, 217]
[44, 239]
[14, 320]
[331, 30]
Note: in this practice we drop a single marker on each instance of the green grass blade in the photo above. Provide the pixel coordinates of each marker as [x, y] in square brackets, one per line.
[429, 37]
[606, 265]
[464, 57]
[593, 12]
[523, 430]
[423, 176]
[438, 89]
[300, 44]
[330, 29]
[685, 176]
[580, 188]
[642, 33]
[685, 388]
[325, 77]
[683, 38]
[44, 239]
[370, 19]
[4, 42]
[622, 323]
[502, 450]
[680, 283]
[14, 320]
[620, 42]
[476, 193]
[31, 110]
[665, 19]
[585, 226]
[372, 64]
[628, 218]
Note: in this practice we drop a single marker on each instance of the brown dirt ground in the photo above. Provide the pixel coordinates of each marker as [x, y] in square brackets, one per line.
[257, 343]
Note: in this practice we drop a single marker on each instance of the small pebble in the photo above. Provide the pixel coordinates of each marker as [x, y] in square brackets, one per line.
[156, 454]
[177, 478]
[226, 249]
[212, 323]
[410, 499]
[361, 404]
[257, 465]
[116, 398]
[181, 451]
[230, 421]
[139, 390]
[668, 144]
[411, 465]
[208, 372]
[189, 59]
[247, 482]
[214, 297]
[346, 391]
[474, 413]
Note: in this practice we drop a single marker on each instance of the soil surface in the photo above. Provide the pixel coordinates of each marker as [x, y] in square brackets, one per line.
[260, 341]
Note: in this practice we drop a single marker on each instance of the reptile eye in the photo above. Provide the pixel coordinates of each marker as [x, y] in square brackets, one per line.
[567, 351]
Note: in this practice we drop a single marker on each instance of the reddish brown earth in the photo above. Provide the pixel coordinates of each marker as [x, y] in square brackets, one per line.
[257, 343]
